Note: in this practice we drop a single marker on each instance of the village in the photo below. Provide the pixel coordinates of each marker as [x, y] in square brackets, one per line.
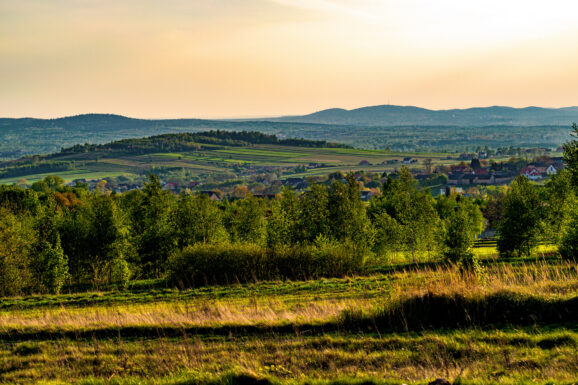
[470, 172]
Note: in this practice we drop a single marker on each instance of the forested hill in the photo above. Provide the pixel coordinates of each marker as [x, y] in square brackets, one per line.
[389, 115]
[194, 141]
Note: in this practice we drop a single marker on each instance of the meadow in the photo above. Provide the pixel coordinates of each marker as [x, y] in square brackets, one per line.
[396, 323]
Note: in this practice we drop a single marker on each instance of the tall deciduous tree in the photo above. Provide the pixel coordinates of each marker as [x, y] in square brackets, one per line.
[571, 155]
[520, 226]
[198, 219]
[413, 210]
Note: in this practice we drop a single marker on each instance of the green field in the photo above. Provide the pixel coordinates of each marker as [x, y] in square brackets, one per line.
[222, 161]
[516, 326]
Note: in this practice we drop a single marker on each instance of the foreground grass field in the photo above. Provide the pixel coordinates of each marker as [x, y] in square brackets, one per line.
[516, 323]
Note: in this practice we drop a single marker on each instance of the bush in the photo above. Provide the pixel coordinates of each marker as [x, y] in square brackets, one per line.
[204, 264]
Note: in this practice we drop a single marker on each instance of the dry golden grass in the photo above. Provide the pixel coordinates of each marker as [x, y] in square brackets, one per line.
[180, 314]
[539, 278]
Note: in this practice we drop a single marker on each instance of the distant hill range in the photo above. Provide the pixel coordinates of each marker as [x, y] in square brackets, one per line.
[380, 127]
[390, 115]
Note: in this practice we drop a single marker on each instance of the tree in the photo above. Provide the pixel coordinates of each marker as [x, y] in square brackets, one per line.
[314, 213]
[52, 267]
[568, 245]
[463, 221]
[282, 224]
[16, 238]
[458, 237]
[413, 210]
[560, 199]
[198, 219]
[571, 155]
[348, 220]
[154, 229]
[521, 223]
[247, 220]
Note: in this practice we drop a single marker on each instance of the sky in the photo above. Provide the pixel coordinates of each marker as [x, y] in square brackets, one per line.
[244, 58]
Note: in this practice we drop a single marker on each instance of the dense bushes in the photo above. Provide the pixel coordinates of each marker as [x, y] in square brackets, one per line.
[204, 264]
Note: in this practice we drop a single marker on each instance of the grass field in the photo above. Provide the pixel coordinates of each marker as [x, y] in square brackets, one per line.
[515, 325]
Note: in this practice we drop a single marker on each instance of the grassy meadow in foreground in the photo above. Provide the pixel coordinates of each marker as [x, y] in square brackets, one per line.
[340, 329]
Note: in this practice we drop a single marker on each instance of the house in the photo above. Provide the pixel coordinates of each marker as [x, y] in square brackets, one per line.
[408, 160]
[531, 173]
[466, 156]
[364, 163]
[171, 186]
[551, 170]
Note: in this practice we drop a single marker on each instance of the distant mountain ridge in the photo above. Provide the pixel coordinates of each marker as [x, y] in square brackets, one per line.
[392, 115]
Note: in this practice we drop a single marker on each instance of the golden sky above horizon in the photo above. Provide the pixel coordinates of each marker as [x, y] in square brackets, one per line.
[241, 58]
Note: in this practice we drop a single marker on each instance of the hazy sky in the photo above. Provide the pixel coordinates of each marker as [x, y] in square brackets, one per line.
[232, 58]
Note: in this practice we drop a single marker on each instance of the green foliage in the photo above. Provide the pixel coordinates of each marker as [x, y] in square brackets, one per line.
[19, 200]
[520, 227]
[153, 226]
[198, 219]
[463, 221]
[246, 220]
[568, 245]
[348, 219]
[417, 222]
[51, 267]
[120, 272]
[561, 199]
[571, 155]
[15, 245]
[458, 237]
[283, 223]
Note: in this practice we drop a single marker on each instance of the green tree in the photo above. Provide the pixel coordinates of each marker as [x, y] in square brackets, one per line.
[153, 225]
[198, 219]
[412, 209]
[560, 199]
[314, 213]
[16, 239]
[520, 226]
[571, 155]
[348, 219]
[246, 220]
[52, 267]
[282, 224]
[458, 237]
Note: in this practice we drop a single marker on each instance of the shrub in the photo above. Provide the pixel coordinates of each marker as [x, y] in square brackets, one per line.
[204, 264]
